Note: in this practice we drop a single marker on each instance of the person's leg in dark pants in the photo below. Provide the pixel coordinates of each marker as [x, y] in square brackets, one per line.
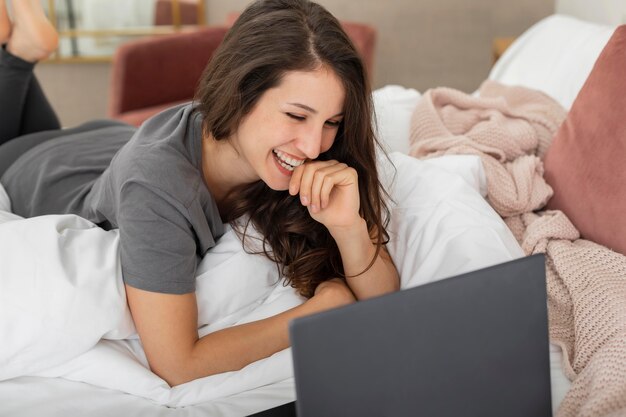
[23, 106]
[38, 114]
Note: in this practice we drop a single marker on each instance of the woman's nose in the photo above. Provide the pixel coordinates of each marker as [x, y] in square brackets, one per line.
[309, 142]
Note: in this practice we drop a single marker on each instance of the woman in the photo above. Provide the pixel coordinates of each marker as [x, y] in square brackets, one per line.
[279, 134]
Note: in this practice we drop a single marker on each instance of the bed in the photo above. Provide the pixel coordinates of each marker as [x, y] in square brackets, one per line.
[440, 225]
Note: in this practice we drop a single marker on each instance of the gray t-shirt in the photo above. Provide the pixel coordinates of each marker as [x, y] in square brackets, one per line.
[148, 183]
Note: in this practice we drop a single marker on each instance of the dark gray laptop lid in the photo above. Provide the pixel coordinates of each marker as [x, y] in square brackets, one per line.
[471, 345]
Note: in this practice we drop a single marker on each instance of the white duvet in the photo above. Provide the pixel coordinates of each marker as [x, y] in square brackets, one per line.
[63, 310]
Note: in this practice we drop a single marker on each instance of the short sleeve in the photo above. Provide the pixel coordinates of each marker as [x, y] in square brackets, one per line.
[157, 243]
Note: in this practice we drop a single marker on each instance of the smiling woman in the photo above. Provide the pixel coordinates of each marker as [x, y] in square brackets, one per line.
[292, 122]
[279, 138]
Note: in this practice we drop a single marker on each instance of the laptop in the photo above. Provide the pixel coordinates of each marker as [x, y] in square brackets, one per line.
[472, 345]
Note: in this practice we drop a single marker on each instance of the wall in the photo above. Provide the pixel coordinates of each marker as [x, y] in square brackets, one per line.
[612, 12]
[425, 43]
[77, 92]
[421, 44]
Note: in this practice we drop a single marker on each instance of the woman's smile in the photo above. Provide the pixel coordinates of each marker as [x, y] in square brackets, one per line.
[285, 163]
[283, 167]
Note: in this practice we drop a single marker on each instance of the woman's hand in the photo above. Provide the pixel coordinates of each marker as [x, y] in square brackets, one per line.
[330, 191]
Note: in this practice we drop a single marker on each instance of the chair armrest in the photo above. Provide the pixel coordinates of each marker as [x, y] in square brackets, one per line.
[158, 70]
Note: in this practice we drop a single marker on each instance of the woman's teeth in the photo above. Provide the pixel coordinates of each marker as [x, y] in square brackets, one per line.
[287, 162]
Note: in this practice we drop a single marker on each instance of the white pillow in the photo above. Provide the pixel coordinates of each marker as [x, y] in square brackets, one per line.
[554, 56]
[393, 107]
[469, 167]
[440, 225]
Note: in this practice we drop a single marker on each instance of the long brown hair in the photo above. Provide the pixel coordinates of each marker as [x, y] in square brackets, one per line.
[270, 38]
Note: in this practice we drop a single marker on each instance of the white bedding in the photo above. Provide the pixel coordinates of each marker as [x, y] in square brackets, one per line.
[440, 226]
[61, 292]
[554, 56]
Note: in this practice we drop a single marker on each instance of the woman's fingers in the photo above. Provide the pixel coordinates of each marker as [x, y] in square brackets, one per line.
[330, 191]
[328, 180]
[304, 178]
[327, 187]
[315, 182]
[320, 177]
[296, 177]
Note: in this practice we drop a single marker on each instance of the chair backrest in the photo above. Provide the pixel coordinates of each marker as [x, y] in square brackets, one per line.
[157, 70]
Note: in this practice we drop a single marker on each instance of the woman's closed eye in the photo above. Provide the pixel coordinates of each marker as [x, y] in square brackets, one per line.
[296, 117]
[329, 123]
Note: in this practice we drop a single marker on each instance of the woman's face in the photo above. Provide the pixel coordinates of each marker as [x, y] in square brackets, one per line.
[291, 123]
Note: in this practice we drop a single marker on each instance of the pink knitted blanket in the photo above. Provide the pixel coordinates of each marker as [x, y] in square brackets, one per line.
[510, 128]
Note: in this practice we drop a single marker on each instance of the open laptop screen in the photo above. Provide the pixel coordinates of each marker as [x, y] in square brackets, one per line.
[471, 345]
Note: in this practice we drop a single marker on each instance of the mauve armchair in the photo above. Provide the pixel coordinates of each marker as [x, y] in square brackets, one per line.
[152, 74]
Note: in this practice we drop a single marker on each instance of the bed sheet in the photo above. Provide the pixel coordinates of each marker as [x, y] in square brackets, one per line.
[440, 210]
[52, 397]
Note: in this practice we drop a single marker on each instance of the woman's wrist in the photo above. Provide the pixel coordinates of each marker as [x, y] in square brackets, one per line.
[355, 246]
[345, 235]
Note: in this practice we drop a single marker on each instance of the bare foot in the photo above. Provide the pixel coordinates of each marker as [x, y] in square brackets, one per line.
[33, 37]
[5, 23]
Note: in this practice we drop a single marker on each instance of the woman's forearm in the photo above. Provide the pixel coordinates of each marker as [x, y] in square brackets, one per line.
[357, 251]
[233, 348]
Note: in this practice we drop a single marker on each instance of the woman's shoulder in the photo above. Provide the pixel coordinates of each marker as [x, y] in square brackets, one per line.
[167, 124]
[163, 154]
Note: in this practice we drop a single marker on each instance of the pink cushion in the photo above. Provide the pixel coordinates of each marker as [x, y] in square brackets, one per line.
[586, 162]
